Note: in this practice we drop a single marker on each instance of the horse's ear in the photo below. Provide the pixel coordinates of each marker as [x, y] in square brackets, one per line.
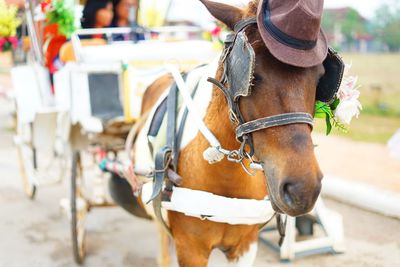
[229, 15]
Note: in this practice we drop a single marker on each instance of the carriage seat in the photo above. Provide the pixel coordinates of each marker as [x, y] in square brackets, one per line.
[67, 51]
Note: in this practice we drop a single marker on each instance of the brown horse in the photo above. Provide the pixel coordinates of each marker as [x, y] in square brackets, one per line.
[291, 177]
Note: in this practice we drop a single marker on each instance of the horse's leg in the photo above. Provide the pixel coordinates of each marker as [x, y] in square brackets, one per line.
[245, 259]
[248, 258]
[165, 260]
[190, 253]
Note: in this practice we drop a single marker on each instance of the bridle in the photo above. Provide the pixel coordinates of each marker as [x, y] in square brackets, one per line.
[237, 52]
[233, 89]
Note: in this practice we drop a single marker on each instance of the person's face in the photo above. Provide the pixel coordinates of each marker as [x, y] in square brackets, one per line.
[104, 16]
[123, 7]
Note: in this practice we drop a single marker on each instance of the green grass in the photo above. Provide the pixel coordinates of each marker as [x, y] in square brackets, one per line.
[376, 69]
[367, 128]
[379, 78]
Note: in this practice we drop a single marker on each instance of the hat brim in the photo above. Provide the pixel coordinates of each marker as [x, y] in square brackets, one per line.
[289, 55]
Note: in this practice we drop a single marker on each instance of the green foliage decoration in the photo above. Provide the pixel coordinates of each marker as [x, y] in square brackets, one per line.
[63, 16]
[326, 111]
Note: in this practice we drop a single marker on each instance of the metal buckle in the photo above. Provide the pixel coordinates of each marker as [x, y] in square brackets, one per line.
[235, 156]
[233, 117]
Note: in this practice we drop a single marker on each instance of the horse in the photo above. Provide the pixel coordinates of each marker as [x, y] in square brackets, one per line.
[291, 176]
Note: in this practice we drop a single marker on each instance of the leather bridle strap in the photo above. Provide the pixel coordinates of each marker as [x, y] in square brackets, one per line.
[244, 23]
[273, 121]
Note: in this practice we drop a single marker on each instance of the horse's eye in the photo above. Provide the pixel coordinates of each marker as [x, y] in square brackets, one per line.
[257, 78]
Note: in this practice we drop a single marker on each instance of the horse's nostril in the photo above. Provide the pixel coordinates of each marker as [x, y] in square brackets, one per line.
[297, 195]
[287, 191]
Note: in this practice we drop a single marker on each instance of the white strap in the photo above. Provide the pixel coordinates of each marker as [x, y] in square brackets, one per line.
[191, 106]
[207, 206]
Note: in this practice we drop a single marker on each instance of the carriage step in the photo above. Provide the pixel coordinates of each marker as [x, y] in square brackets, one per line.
[329, 240]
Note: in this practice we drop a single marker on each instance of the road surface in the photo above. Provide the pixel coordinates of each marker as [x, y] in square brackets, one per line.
[36, 234]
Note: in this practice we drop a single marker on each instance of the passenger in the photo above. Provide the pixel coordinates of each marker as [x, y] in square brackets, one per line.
[122, 10]
[97, 14]
[125, 15]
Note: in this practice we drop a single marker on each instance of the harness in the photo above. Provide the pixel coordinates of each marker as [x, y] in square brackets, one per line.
[166, 160]
[238, 58]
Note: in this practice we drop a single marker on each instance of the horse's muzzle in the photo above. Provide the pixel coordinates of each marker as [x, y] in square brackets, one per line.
[293, 196]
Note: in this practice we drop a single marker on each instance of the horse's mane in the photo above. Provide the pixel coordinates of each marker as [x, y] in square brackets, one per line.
[251, 9]
[248, 12]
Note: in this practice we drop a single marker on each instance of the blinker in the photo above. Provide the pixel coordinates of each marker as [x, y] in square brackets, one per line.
[239, 67]
[329, 84]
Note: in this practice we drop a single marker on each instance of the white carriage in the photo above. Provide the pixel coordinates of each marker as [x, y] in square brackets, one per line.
[102, 94]
[40, 144]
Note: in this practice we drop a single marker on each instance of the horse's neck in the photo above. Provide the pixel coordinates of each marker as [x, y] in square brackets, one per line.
[217, 119]
[222, 178]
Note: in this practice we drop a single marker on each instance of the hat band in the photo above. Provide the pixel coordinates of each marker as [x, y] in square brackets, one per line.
[283, 37]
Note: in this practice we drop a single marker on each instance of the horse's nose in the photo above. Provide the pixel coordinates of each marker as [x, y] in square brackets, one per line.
[291, 194]
[299, 196]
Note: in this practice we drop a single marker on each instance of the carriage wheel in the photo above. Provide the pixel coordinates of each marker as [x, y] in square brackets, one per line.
[78, 210]
[27, 156]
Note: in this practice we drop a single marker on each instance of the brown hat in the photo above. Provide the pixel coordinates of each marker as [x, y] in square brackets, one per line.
[291, 30]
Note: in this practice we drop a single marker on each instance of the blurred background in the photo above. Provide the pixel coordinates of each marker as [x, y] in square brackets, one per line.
[361, 165]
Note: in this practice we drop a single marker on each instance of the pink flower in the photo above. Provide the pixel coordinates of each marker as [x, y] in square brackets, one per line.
[14, 41]
[348, 95]
[45, 5]
[3, 41]
[217, 30]
[348, 89]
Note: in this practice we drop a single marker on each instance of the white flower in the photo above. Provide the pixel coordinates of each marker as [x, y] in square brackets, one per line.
[347, 109]
[347, 67]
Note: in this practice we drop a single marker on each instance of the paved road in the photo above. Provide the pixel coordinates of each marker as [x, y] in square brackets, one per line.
[36, 234]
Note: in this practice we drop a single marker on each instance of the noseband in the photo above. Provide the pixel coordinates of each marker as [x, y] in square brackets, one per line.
[238, 58]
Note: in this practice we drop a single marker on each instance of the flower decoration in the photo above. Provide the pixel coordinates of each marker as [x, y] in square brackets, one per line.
[45, 5]
[8, 26]
[216, 31]
[218, 34]
[344, 108]
[57, 12]
[8, 43]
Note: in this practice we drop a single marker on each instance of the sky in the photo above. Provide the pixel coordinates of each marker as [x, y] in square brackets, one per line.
[365, 7]
[180, 8]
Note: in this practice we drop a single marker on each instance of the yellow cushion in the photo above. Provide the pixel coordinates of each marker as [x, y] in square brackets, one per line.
[67, 51]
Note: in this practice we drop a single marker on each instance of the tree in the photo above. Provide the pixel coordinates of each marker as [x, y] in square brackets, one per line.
[387, 26]
[344, 21]
[353, 24]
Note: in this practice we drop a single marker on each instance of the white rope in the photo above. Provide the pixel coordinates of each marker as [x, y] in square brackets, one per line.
[215, 153]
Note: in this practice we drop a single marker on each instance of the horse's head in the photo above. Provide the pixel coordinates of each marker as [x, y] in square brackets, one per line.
[287, 151]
